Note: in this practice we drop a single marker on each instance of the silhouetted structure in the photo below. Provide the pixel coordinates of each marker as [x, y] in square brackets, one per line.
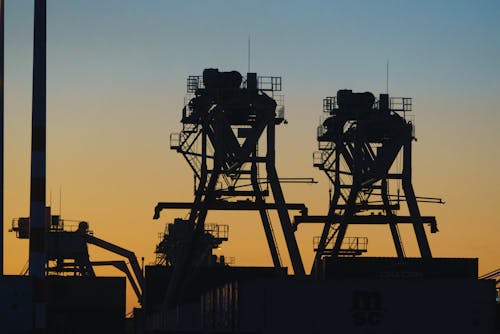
[169, 249]
[224, 119]
[67, 251]
[360, 141]
[37, 253]
[189, 290]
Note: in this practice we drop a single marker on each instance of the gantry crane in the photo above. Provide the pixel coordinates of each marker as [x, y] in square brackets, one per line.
[224, 119]
[360, 141]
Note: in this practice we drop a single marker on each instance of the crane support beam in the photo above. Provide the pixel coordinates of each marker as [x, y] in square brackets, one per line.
[369, 219]
[228, 205]
[120, 251]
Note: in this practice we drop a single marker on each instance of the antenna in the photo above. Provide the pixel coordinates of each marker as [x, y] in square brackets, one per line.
[248, 54]
[60, 201]
[387, 78]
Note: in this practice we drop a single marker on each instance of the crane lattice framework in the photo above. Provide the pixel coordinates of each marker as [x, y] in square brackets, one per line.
[225, 118]
[360, 141]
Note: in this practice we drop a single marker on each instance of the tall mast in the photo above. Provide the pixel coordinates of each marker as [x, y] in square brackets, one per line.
[37, 253]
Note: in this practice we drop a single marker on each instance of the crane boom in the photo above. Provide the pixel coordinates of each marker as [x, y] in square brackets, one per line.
[120, 251]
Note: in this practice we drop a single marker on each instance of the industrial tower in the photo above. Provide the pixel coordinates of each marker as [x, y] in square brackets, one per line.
[224, 119]
[361, 143]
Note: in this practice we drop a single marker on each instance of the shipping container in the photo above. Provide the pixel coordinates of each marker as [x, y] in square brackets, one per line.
[354, 306]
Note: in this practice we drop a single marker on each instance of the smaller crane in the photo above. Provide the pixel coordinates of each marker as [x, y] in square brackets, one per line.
[67, 250]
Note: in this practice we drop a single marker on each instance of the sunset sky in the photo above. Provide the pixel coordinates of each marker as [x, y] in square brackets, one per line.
[116, 80]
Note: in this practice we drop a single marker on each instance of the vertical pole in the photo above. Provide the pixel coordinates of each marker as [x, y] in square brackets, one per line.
[37, 256]
[387, 78]
[248, 54]
[2, 15]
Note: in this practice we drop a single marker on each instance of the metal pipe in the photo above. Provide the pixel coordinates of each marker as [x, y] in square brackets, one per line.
[37, 243]
[38, 145]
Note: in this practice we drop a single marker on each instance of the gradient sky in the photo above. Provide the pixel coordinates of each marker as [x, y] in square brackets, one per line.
[116, 80]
